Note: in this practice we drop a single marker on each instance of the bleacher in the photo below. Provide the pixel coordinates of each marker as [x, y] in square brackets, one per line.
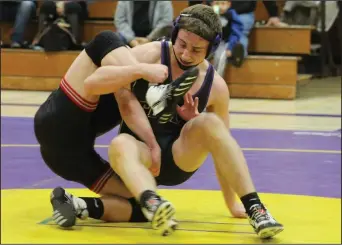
[263, 75]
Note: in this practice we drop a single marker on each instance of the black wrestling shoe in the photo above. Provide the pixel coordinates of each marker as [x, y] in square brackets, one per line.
[263, 222]
[64, 213]
[163, 99]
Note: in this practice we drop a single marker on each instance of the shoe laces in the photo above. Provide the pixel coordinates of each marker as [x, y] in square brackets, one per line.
[259, 213]
[80, 207]
[153, 203]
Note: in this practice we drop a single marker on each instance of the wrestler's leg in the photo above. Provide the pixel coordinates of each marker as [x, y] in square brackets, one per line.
[130, 159]
[207, 133]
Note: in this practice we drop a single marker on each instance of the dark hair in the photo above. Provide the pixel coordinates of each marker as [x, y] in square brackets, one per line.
[201, 20]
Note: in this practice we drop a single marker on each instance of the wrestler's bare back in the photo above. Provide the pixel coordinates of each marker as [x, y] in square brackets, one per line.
[81, 68]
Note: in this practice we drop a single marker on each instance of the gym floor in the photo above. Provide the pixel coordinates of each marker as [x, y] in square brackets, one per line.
[293, 149]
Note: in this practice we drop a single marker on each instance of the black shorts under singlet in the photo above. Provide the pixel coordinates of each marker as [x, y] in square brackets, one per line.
[66, 130]
[170, 173]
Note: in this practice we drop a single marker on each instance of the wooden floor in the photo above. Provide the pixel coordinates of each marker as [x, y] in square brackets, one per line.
[270, 73]
[260, 76]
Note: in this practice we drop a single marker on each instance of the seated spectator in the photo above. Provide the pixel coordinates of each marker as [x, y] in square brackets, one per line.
[69, 15]
[230, 47]
[246, 9]
[20, 12]
[139, 22]
[206, 2]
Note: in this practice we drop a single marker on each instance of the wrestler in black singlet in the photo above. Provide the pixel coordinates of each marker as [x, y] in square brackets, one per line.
[66, 132]
[168, 133]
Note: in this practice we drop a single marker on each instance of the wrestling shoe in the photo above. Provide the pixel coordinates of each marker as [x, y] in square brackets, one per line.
[263, 222]
[163, 99]
[161, 214]
[172, 227]
[66, 208]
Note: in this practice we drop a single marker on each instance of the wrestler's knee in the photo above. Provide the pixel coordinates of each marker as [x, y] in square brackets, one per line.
[119, 146]
[208, 124]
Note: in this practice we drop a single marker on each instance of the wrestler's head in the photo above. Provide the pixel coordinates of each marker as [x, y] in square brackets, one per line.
[197, 33]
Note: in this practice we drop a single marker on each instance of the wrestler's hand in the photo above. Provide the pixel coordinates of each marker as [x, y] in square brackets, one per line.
[190, 108]
[133, 43]
[142, 40]
[237, 210]
[156, 160]
[154, 73]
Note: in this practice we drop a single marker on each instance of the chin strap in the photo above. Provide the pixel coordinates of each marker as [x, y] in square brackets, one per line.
[183, 67]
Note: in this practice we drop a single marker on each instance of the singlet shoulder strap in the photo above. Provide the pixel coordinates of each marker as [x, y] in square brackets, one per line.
[204, 92]
[165, 57]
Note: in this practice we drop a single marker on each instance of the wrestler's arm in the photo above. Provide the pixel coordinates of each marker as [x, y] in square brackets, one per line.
[107, 79]
[114, 72]
[135, 117]
[220, 103]
[147, 53]
[131, 111]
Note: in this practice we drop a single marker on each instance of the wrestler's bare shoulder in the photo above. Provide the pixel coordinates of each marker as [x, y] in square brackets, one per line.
[219, 83]
[148, 53]
[219, 90]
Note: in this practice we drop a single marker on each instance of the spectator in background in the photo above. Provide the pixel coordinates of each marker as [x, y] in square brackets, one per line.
[20, 12]
[230, 47]
[140, 22]
[206, 2]
[246, 9]
[74, 12]
[195, 2]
